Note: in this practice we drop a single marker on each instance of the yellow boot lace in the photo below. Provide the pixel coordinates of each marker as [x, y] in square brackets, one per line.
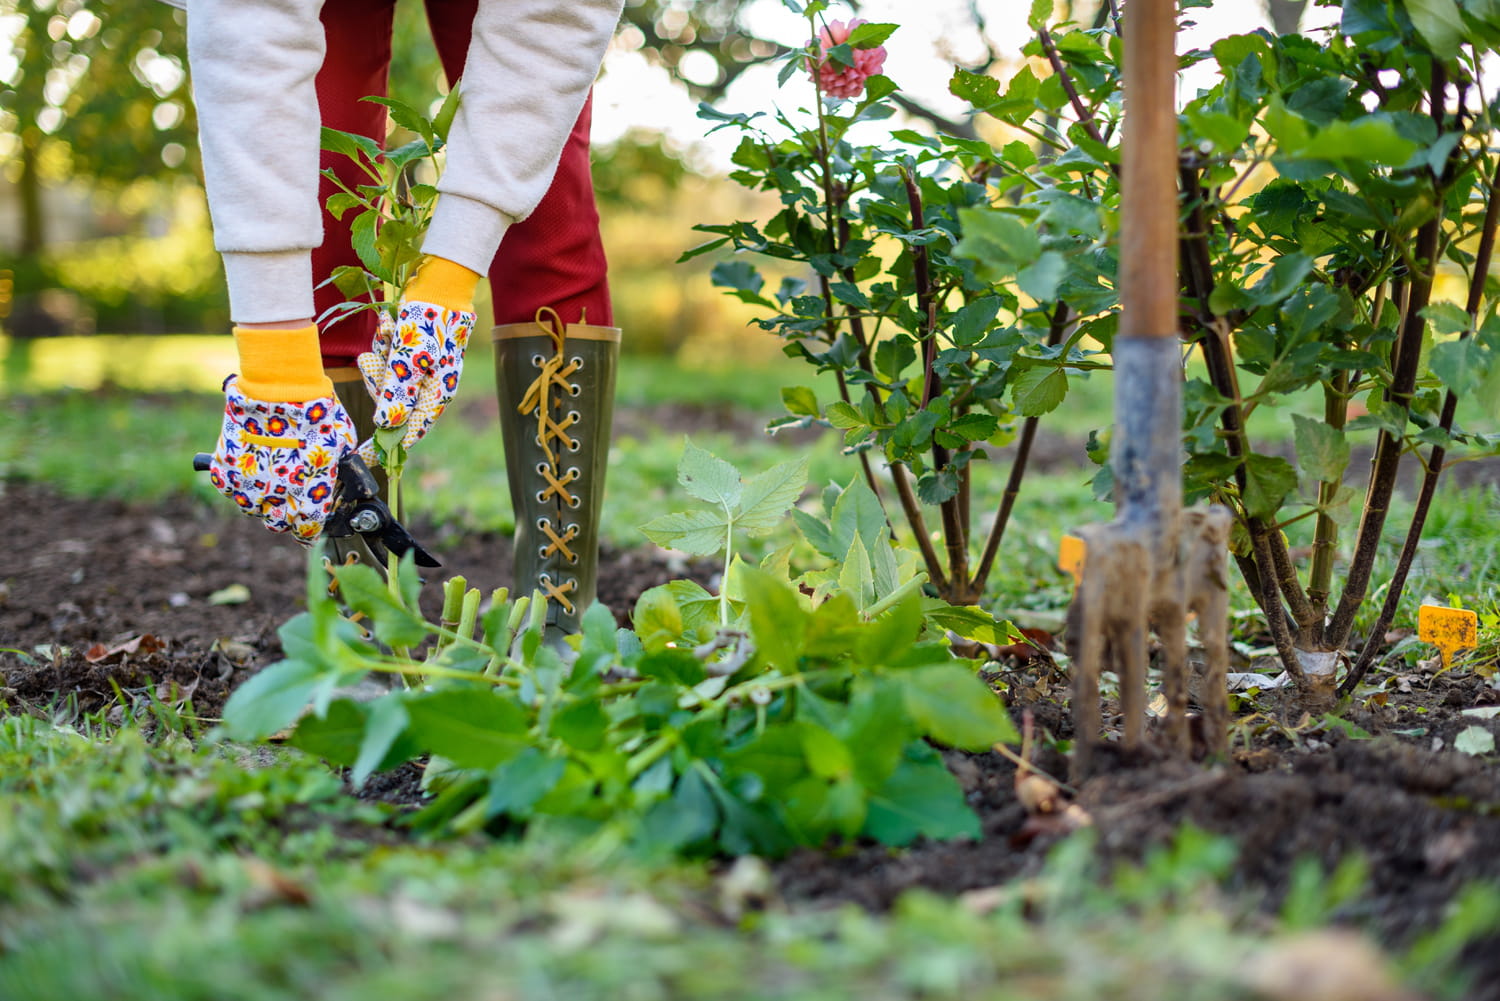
[542, 397]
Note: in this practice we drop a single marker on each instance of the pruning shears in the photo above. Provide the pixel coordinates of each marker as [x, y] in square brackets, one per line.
[358, 510]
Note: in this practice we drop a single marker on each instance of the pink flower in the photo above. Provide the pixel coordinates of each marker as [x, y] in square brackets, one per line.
[836, 79]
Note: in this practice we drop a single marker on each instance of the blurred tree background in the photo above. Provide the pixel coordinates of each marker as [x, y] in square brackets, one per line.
[103, 223]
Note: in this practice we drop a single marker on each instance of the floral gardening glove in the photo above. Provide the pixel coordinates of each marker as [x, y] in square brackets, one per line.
[278, 458]
[413, 366]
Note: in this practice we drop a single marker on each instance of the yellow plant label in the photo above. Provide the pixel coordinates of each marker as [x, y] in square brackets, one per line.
[1070, 554]
[1448, 629]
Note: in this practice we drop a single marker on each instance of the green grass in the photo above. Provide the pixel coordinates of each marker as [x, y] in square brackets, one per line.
[148, 868]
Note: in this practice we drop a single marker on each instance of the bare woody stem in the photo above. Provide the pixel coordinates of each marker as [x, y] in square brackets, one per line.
[1326, 530]
[1405, 362]
[1272, 563]
[1055, 333]
[1373, 642]
[955, 532]
[913, 511]
[1085, 117]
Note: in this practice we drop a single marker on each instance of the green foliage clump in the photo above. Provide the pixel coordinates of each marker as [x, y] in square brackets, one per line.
[754, 721]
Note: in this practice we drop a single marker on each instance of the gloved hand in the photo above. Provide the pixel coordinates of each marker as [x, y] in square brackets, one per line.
[413, 366]
[278, 459]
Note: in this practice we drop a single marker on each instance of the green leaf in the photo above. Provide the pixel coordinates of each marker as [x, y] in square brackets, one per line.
[1041, 278]
[405, 116]
[975, 427]
[1039, 390]
[843, 415]
[1447, 318]
[827, 756]
[768, 496]
[708, 477]
[776, 756]
[857, 512]
[778, 622]
[800, 400]
[1268, 480]
[365, 591]
[443, 120]
[1371, 140]
[1322, 451]
[920, 799]
[336, 736]
[471, 728]
[1285, 276]
[1000, 241]
[971, 322]
[1224, 131]
[738, 275]
[271, 699]
[518, 784]
[699, 533]
[688, 817]
[953, 706]
[868, 36]
[1462, 365]
[1439, 23]
[383, 746]
[362, 238]
[1040, 14]
[856, 578]
[581, 725]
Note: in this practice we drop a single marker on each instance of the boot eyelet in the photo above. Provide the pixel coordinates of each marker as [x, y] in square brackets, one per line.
[576, 502]
[537, 361]
[578, 361]
[536, 440]
[574, 389]
[543, 524]
[541, 497]
[541, 551]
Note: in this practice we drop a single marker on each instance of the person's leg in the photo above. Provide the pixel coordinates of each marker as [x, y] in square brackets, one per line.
[554, 257]
[357, 64]
[555, 359]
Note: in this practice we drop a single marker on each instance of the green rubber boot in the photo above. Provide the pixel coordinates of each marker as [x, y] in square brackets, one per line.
[556, 386]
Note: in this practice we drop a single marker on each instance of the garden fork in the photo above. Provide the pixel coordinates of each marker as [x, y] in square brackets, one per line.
[1154, 563]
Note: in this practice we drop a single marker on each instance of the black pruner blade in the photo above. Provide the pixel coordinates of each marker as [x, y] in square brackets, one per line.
[358, 510]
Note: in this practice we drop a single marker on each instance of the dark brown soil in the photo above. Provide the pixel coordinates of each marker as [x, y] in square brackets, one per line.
[98, 596]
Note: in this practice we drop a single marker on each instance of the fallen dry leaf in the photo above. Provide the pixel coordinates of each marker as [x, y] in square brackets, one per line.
[272, 886]
[144, 643]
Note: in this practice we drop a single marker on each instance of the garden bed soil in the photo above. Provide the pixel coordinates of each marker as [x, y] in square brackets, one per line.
[110, 602]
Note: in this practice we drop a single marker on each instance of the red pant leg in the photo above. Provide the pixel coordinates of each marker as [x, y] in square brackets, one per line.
[554, 257]
[358, 34]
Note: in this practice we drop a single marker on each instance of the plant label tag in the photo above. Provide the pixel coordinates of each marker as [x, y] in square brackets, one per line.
[1070, 554]
[1448, 629]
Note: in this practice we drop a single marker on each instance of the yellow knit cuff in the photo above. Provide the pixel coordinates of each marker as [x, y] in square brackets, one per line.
[442, 283]
[281, 366]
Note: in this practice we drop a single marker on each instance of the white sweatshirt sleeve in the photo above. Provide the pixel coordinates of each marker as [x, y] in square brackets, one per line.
[529, 69]
[253, 66]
